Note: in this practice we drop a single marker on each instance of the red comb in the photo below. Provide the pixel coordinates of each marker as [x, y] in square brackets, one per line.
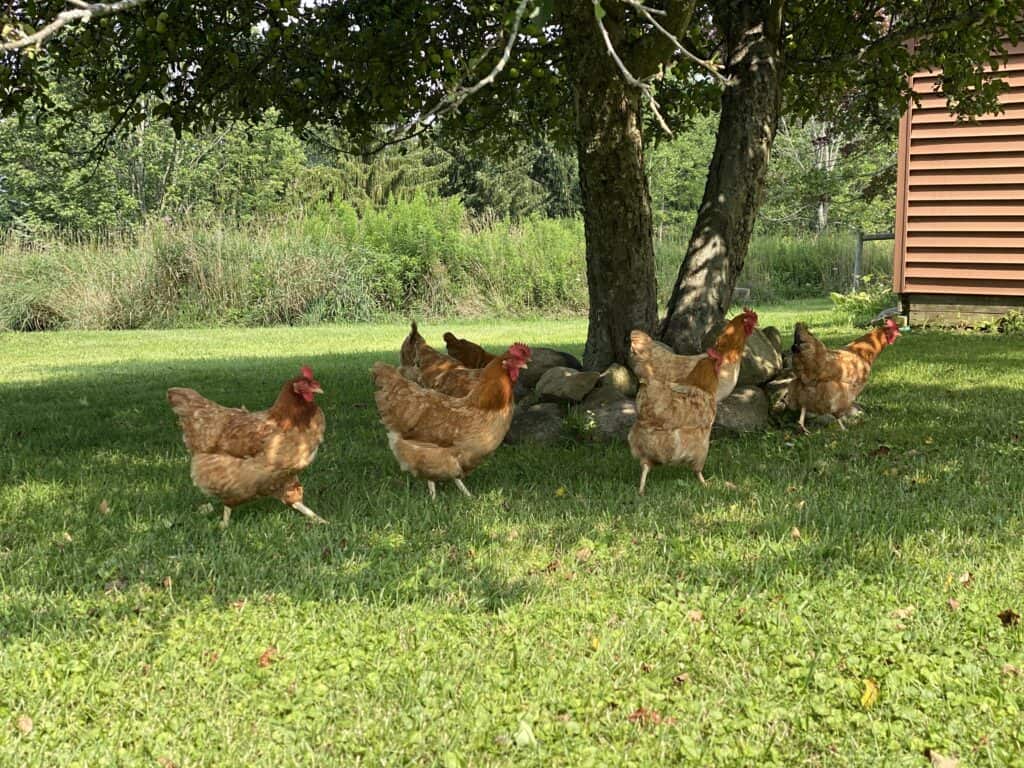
[307, 372]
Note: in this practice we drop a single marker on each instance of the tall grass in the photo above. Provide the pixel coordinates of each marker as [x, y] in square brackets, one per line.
[784, 267]
[420, 256]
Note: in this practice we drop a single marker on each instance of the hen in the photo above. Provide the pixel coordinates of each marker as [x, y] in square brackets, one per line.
[425, 365]
[663, 364]
[466, 352]
[673, 424]
[435, 436]
[827, 381]
[238, 456]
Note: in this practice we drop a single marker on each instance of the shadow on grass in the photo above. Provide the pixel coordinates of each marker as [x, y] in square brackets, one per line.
[105, 438]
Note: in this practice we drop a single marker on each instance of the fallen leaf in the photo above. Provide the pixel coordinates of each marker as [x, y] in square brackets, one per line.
[928, 441]
[325, 554]
[595, 643]
[104, 507]
[941, 761]
[681, 678]
[168, 582]
[903, 613]
[524, 735]
[166, 762]
[1009, 617]
[882, 450]
[560, 491]
[870, 694]
[645, 667]
[730, 485]
[695, 616]
[146, 669]
[238, 604]
[25, 724]
[584, 554]
[115, 586]
[268, 656]
[644, 716]
[1010, 671]
[801, 504]
[212, 657]
[343, 544]
[552, 566]
[953, 604]
[1014, 438]
[966, 579]
[791, 489]
[795, 533]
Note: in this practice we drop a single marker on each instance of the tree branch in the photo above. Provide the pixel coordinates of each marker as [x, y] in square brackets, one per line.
[452, 100]
[83, 13]
[705, 64]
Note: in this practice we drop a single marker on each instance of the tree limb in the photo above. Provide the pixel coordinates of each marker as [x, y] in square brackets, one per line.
[83, 12]
[683, 22]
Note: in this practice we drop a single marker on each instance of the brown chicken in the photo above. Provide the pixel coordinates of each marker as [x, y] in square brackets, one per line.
[432, 369]
[662, 363]
[466, 352]
[435, 436]
[827, 381]
[238, 456]
[673, 424]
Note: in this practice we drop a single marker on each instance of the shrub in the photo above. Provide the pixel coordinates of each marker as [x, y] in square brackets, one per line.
[861, 307]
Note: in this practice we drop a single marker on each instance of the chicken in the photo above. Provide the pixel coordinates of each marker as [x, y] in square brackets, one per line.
[673, 421]
[426, 366]
[827, 381]
[238, 456]
[466, 352]
[435, 436]
[731, 343]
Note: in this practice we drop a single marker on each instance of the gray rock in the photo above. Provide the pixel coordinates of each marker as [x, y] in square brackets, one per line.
[565, 385]
[745, 410]
[619, 378]
[541, 423]
[609, 421]
[774, 335]
[761, 360]
[542, 360]
[599, 396]
[740, 296]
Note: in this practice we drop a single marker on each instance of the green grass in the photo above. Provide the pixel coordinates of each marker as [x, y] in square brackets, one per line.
[526, 625]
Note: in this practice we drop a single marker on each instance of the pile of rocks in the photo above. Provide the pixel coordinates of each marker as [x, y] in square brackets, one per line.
[557, 400]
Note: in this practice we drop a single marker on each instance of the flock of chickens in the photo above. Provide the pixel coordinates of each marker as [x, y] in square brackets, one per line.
[445, 414]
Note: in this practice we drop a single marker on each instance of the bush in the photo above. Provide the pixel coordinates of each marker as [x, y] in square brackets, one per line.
[861, 307]
[1012, 323]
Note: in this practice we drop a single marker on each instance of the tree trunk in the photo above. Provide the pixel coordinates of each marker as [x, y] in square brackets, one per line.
[616, 199]
[734, 190]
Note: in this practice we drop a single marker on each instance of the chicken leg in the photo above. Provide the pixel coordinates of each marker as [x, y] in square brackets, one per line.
[644, 469]
[462, 487]
[803, 413]
[432, 488]
[226, 519]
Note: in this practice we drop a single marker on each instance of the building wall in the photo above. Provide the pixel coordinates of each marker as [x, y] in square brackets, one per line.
[960, 204]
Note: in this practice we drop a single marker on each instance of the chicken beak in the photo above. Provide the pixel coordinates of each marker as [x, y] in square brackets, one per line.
[317, 390]
[524, 366]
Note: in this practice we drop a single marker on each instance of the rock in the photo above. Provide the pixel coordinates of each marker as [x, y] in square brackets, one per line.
[541, 423]
[740, 296]
[528, 398]
[774, 335]
[610, 420]
[745, 410]
[619, 378]
[541, 361]
[561, 384]
[601, 395]
[761, 360]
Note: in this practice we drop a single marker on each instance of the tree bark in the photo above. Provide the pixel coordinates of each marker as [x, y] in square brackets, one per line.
[616, 198]
[736, 177]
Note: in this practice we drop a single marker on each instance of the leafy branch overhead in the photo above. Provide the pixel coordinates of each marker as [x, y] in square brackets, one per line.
[15, 37]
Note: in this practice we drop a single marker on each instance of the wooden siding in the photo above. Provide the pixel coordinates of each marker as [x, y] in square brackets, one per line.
[960, 202]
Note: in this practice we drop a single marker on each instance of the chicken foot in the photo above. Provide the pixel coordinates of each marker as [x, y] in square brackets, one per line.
[803, 414]
[227, 517]
[462, 487]
[300, 507]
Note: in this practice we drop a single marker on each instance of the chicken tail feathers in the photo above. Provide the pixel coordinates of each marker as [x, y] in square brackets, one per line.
[411, 345]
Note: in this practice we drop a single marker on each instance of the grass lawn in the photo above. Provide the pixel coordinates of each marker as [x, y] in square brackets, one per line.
[555, 619]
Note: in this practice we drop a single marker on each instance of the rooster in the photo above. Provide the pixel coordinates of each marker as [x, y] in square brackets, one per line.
[466, 352]
[435, 436]
[238, 456]
[827, 381]
[426, 366]
[673, 424]
[731, 343]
